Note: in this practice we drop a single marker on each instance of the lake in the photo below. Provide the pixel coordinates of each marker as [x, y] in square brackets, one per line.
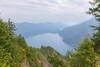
[49, 39]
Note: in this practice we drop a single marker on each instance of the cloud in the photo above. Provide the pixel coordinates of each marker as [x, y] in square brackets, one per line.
[37, 11]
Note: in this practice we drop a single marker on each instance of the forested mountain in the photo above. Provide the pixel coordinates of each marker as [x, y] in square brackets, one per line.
[74, 35]
[14, 51]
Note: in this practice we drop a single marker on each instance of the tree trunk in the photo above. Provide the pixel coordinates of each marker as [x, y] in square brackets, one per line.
[91, 65]
[94, 64]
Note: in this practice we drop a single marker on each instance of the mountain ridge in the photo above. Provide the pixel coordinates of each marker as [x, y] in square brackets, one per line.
[77, 31]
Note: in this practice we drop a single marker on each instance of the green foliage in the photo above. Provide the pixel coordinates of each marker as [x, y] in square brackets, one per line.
[21, 41]
[5, 41]
[5, 58]
[95, 11]
[14, 50]
[34, 57]
[11, 27]
[53, 57]
[5, 45]
[48, 51]
[10, 52]
[84, 55]
[69, 53]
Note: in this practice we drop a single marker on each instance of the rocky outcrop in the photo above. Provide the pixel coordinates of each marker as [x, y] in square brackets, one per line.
[45, 62]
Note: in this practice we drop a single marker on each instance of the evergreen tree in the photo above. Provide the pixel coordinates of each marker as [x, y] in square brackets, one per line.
[5, 45]
[95, 11]
[11, 27]
[84, 55]
[21, 41]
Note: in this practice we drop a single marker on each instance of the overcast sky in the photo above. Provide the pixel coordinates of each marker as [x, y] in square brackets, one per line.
[37, 11]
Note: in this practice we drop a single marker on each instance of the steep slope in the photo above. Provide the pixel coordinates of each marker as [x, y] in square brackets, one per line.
[53, 57]
[74, 35]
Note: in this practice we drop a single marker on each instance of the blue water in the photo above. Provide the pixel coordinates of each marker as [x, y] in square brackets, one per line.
[49, 39]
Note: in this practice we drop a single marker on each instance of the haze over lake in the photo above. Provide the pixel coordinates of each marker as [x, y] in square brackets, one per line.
[49, 39]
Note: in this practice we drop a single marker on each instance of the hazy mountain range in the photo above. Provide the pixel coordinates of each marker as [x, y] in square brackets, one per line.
[73, 35]
[57, 35]
[30, 29]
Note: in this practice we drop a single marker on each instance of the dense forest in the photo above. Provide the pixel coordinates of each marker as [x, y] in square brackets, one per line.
[14, 51]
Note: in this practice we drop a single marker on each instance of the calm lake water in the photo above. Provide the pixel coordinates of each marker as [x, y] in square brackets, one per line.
[49, 39]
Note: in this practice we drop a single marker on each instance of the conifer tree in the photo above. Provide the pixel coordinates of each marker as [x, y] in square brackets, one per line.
[5, 45]
[84, 55]
[95, 11]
